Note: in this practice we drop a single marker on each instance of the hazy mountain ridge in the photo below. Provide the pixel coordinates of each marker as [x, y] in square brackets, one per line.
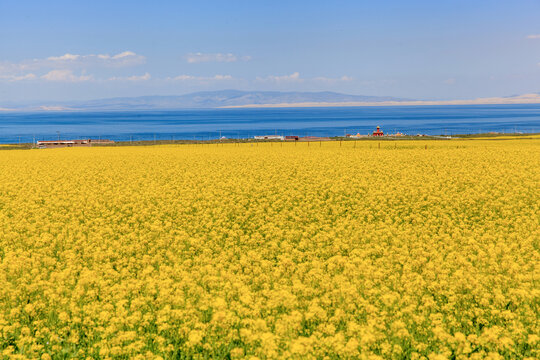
[209, 100]
[254, 99]
[217, 99]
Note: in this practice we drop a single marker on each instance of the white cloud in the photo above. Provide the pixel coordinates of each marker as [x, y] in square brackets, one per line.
[72, 61]
[61, 68]
[222, 77]
[65, 76]
[534, 36]
[23, 77]
[123, 55]
[64, 57]
[182, 78]
[126, 58]
[144, 77]
[294, 77]
[195, 58]
[29, 76]
[9, 68]
[344, 78]
[201, 78]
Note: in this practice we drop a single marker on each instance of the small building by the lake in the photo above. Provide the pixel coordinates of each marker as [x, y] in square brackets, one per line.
[48, 144]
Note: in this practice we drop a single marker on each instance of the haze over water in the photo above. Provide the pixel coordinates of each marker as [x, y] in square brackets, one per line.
[243, 123]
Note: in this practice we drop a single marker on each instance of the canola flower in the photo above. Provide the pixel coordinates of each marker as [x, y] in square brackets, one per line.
[267, 251]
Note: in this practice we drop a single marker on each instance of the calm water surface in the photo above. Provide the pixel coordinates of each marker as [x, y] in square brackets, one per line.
[233, 123]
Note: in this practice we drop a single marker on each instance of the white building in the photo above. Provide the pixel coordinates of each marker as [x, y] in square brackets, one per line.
[269, 137]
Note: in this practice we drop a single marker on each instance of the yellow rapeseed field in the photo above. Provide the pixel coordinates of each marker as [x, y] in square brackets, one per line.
[306, 251]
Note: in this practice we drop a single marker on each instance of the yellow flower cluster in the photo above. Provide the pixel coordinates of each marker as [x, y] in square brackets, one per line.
[420, 250]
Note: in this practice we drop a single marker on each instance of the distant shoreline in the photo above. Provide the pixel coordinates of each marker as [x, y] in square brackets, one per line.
[482, 136]
[525, 99]
[518, 100]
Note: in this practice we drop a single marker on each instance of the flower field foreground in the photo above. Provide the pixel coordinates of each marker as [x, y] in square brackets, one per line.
[271, 251]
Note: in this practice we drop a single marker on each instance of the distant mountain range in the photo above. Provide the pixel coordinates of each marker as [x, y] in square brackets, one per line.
[254, 99]
[208, 100]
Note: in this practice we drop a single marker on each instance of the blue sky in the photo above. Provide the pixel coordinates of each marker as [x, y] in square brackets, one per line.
[71, 50]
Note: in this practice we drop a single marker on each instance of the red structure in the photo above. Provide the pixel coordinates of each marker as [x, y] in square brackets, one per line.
[378, 132]
[291, 138]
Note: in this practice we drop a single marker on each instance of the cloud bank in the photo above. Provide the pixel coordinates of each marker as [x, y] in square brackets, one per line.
[200, 78]
[74, 61]
[332, 80]
[296, 78]
[75, 68]
[65, 76]
[61, 68]
[195, 58]
[144, 77]
[23, 77]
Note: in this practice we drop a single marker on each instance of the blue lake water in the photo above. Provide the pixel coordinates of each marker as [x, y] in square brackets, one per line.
[234, 123]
